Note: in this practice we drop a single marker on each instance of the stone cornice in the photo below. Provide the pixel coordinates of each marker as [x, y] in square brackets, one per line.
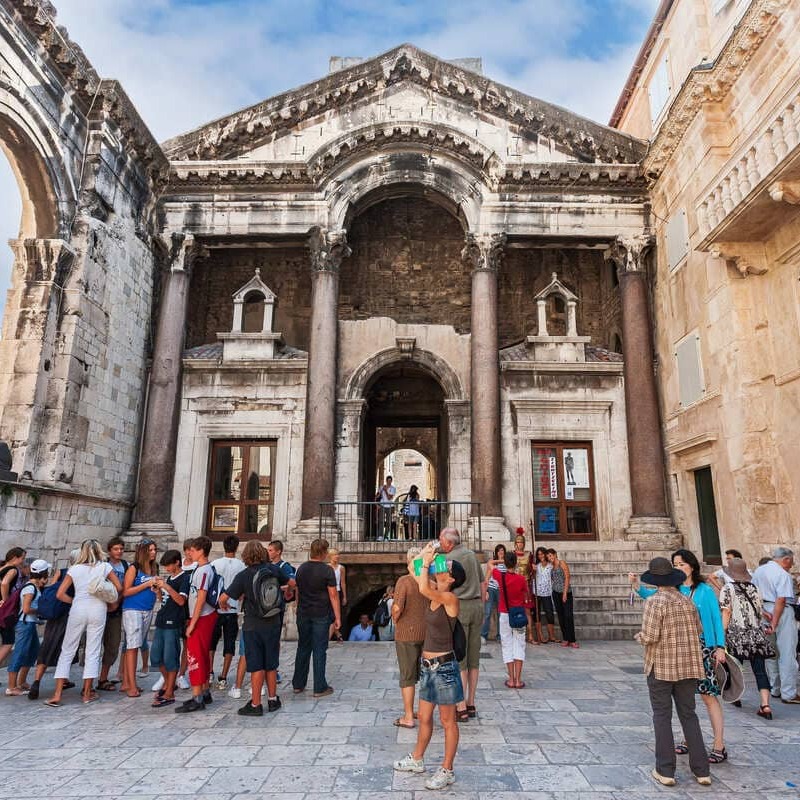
[712, 83]
[609, 177]
[246, 129]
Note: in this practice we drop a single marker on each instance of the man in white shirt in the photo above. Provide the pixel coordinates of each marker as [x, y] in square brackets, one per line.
[386, 495]
[774, 581]
[720, 577]
[227, 627]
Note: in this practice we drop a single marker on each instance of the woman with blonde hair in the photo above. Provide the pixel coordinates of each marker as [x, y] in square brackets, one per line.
[87, 615]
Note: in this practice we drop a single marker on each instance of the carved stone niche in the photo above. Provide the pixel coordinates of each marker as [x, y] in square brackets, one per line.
[570, 349]
[251, 337]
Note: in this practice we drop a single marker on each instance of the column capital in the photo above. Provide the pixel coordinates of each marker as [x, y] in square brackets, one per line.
[628, 252]
[484, 251]
[328, 249]
[182, 250]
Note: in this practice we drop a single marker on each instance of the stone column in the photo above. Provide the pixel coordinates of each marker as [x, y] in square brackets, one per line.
[645, 449]
[153, 512]
[328, 248]
[483, 253]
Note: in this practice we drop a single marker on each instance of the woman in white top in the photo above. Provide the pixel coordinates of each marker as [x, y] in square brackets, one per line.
[341, 587]
[87, 615]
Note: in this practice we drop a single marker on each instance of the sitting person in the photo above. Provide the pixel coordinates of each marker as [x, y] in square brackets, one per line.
[363, 631]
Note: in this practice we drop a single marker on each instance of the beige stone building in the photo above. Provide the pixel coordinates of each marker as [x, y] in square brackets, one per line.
[235, 330]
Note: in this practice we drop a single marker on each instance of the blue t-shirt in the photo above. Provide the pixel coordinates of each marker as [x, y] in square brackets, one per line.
[359, 634]
[707, 607]
[144, 600]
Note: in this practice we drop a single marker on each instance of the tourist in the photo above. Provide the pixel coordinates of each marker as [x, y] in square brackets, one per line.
[741, 606]
[543, 587]
[11, 579]
[202, 618]
[170, 622]
[87, 616]
[412, 512]
[341, 588]
[189, 565]
[56, 615]
[408, 614]
[26, 638]
[382, 621]
[386, 495]
[713, 641]
[561, 582]
[525, 568]
[774, 581]
[259, 585]
[720, 577]
[440, 680]
[137, 609]
[470, 613]
[227, 626]
[317, 607]
[513, 591]
[673, 663]
[492, 589]
[275, 553]
[363, 631]
[112, 634]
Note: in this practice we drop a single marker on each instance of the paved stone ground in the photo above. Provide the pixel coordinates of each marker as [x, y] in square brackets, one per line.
[580, 730]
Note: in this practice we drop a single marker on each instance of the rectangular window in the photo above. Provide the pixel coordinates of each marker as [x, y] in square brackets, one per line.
[241, 489]
[677, 238]
[563, 490]
[659, 90]
[690, 373]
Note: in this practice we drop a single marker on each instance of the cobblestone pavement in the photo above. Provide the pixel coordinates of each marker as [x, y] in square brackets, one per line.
[579, 730]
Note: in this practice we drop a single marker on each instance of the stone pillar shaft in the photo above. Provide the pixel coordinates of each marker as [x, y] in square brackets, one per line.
[645, 451]
[328, 248]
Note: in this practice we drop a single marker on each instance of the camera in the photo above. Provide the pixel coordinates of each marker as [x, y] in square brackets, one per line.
[436, 544]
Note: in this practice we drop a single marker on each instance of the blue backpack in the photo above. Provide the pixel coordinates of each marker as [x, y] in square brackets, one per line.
[216, 587]
[50, 607]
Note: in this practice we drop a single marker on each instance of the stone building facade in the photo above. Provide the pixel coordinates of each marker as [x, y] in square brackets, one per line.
[231, 330]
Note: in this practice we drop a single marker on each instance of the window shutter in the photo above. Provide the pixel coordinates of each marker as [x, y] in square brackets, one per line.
[659, 90]
[677, 238]
[690, 374]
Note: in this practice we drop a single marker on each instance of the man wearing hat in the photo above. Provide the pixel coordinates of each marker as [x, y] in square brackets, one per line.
[673, 663]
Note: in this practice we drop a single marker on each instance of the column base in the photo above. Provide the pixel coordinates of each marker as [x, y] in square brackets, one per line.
[653, 533]
[315, 528]
[493, 529]
[162, 533]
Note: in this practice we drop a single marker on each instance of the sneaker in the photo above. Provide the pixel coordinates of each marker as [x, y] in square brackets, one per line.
[189, 706]
[664, 780]
[207, 698]
[324, 693]
[440, 779]
[183, 682]
[142, 674]
[235, 692]
[33, 692]
[249, 710]
[273, 705]
[703, 780]
[222, 684]
[409, 764]
[158, 685]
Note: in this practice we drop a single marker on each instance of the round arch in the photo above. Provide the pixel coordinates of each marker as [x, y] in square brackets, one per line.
[433, 365]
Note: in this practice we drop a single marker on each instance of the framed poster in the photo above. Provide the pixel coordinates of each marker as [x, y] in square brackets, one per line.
[224, 518]
[576, 467]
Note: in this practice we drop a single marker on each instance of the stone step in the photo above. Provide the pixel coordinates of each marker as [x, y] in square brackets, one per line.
[606, 604]
[609, 617]
[600, 590]
[606, 632]
[575, 556]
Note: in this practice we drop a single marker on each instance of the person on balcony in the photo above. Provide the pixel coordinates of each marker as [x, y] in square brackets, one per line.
[386, 496]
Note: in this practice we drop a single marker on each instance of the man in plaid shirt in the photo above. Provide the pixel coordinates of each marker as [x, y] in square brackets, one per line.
[673, 663]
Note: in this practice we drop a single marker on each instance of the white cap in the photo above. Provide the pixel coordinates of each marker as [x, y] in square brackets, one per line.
[39, 566]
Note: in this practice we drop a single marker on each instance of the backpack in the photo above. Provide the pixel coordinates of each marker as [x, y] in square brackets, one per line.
[382, 614]
[459, 639]
[267, 594]
[50, 607]
[216, 586]
[9, 611]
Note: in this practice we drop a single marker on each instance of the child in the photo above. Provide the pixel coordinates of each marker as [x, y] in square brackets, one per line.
[26, 639]
[170, 621]
[199, 629]
[183, 681]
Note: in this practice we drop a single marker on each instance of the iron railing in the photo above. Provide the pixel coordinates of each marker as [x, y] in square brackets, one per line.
[367, 527]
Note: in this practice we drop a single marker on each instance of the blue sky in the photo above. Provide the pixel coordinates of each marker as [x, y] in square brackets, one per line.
[185, 62]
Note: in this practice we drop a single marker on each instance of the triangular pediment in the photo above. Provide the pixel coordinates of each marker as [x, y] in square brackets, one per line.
[448, 94]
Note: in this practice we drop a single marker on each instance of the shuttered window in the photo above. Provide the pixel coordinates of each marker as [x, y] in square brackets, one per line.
[677, 233]
[659, 90]
[690, 372]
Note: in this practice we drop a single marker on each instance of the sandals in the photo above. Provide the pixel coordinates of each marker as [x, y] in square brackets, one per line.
[682, 749]
[462, 715]
[717, 756]
[398, 723]
[472, 712]
[90, 698]
[107, 686]
[159, 702]
[765, 711]
[134, 695]
[510, 685]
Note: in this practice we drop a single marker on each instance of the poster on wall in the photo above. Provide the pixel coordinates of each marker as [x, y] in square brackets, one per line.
[547, 520]
[545, 473]
[576, 469]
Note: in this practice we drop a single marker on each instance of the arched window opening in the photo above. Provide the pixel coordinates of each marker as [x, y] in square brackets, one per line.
[616, 344]
[557, 316]
[253, 313]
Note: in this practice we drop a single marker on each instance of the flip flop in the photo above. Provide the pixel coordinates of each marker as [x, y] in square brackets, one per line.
[53, 703]
[521, 685]
[135, 695]
[92, 698]
[510, 685]
[398, 723]
[162, 701]
[107, 686]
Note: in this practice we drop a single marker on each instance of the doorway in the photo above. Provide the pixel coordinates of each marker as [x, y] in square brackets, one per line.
[707, 515]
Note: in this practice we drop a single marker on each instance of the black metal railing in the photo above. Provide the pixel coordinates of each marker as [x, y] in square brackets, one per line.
[377, 527]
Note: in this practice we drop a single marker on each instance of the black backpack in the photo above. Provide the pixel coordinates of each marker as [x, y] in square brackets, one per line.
[267, 594]
[382, 614]
[459, 639]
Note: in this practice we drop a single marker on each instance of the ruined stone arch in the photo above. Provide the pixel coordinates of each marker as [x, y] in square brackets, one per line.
[429, 362]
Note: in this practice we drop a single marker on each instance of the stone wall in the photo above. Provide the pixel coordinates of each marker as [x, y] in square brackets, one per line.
[215, 279]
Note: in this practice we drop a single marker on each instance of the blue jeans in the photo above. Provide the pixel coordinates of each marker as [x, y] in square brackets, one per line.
[312, 639]
[26, 646]
[166, 650]
[490, 606]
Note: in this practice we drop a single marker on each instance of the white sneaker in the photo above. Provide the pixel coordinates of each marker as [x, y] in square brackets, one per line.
[183, 682]
[142, 674]
[235, 692]
[222, 684]
[440, 779]
[409, 764]
[158, 685]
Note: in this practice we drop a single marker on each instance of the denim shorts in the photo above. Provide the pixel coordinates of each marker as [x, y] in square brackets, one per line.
[440, 685]
[166, 649]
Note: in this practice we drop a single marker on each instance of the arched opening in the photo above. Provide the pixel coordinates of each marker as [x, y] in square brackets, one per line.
[253, 313]
[556, 316]
[10, 223]
[616, 344]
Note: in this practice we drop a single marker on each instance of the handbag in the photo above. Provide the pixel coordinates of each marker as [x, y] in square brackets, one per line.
[100, 587]
[517, 618]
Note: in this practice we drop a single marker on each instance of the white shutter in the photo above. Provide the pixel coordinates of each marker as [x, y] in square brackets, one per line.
[677, 238]
[690, 373]
[659, 90]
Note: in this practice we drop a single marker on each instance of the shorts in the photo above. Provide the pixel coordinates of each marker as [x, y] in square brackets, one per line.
[546, 609]
[112, 638]
[408, 656]
[136, 625]
[262, 648]
[166, 649]
[198, 647]
[7, 635]
[442, 685]
[471, 615]
[227, 628]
